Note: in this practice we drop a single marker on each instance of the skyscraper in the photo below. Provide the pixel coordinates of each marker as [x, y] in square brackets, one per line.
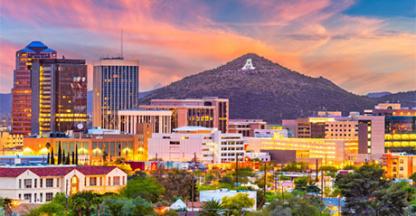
[115, 87]
[22, 91]
[59, 95]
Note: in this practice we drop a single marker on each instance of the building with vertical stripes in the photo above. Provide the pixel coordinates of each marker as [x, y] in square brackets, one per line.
[59, 95]
[22, 89]
[115, 87]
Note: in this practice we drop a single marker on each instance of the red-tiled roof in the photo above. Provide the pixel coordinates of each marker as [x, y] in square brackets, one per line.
[95, 170]
[55, 170]
[14, 172]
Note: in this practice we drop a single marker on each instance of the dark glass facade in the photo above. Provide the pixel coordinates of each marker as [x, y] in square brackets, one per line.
[59, 95]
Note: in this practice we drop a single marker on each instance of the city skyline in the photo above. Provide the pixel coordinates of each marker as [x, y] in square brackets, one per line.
[355, 44]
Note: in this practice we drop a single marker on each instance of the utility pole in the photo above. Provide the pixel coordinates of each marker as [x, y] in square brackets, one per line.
[236, 170]
[316, 170]
[265, 179]
[322, 184]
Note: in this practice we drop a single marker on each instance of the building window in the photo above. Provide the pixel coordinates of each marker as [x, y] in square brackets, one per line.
[41, 183]
[27, 197]
[93, 181]
[49, 182]
[41, 197]
[20, 183]
[20, 196]
[116, 180]
[36, 184]
[49, 197]
[35, 198]
[28, 183]
[101, 181]
[57, 182]
[109, 181]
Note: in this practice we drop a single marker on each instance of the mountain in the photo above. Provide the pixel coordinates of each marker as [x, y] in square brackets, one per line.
[5, 104]
[407, 99]
[268, 91]
[378, 94]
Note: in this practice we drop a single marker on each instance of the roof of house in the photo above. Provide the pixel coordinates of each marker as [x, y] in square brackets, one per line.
[55, 170]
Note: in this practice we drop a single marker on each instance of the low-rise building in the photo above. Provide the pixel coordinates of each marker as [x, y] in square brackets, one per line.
[189, 143]
[10, 143]
[93, 149]
[329, 151]
[399, 165]
[130, 120]
[41, 184]
[246, 127]
[211, 112]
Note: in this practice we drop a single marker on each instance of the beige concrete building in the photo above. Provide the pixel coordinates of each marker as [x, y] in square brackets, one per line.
[159, 120]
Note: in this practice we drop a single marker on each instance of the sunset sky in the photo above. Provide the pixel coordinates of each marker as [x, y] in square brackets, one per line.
[362, 46]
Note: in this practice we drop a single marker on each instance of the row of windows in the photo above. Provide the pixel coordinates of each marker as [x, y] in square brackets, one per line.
[33, 183]
[36, 198]
[111, 181]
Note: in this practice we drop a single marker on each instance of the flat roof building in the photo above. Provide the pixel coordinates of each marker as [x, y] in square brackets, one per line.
[129, 120]
[211, 112]
[115, 87]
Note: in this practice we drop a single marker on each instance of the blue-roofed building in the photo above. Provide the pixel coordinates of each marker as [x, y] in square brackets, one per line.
[22, 89]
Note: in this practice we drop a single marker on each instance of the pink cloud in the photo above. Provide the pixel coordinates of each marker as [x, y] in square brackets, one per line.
[177, 39]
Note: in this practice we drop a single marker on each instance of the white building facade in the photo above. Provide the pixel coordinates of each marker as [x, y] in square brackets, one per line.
[41, 184]
[160, 120]
[207, 145]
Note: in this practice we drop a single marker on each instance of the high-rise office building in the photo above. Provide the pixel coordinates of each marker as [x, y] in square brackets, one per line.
[115, 87]
[22, 91]
[59, 95]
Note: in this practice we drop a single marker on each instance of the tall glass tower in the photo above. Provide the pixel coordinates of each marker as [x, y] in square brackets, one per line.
[22, 90]
[115, 87]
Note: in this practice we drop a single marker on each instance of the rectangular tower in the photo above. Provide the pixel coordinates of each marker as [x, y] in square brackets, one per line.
[22, 90]
[115, 87]
[59, 95]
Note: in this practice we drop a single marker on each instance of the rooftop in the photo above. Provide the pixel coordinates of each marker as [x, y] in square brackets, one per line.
[55, 170]
[36, 46]
[193, 129]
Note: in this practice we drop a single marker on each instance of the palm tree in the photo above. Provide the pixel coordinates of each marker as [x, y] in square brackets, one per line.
[212, 208]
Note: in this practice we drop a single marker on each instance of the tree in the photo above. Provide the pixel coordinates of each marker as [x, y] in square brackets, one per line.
[145, 187]
[84, 202]
[123, 206]
[211, 208]
[76, 154]
[295, 205]
[413, 178]
[56, 207]
[68, 159]
[295, 167]
[63, 157]
[73, 158]
[367, 192]
[6, 203]
[52, 157]
[301, 183]
[178, 184]
[236, 204]
[59, 154]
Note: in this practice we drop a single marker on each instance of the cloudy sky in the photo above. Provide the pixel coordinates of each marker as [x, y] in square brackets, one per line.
[362, 45]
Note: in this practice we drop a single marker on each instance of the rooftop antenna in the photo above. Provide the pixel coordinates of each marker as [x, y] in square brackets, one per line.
[121, 43]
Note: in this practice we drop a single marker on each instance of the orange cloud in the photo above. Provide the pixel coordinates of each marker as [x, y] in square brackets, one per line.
[175, 39]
